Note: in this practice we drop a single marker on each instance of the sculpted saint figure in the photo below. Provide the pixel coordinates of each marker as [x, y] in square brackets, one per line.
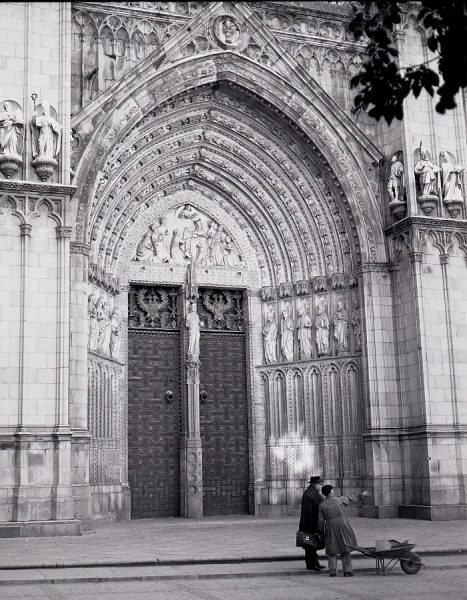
[229, 31]
[93, 328]
[322, 328]
[270, 336]
[356, 324]
[217, 251]
[11, 132]
[176, 252]
[146, 248]
[231, 256]
[450, 178]
[304, 326]
[103, 325]
[46, 134]
[341, 326]
[396, 180]
[192, 323]
[161, 244]
[287, 330]
[115, 333]
[426, 172]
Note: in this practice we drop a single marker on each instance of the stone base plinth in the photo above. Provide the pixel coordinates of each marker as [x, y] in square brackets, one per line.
[26, 529]
[445, 512]
[379, 512]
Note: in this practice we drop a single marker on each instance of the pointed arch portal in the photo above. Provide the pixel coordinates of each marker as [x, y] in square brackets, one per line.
[252, 175]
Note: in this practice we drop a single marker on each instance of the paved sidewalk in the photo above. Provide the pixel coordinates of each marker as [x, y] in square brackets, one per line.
[246, 538]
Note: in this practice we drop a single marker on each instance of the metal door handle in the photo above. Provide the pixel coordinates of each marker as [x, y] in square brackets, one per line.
[203, 396]
[169, 396]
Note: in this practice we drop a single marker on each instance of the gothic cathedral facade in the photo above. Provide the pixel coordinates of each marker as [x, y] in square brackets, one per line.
[216, 280]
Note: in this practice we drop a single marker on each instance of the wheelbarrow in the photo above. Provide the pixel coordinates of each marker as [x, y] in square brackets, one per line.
[386, 559]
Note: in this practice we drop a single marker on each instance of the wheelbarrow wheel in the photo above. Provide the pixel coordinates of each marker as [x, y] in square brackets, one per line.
[412, 565]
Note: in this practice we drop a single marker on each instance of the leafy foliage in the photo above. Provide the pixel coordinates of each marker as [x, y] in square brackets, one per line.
[382, 84]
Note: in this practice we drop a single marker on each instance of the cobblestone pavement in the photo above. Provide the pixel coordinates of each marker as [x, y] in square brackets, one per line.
[424, 586]
[212, 538]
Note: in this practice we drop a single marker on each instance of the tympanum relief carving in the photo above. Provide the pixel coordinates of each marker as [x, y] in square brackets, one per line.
[186, 235]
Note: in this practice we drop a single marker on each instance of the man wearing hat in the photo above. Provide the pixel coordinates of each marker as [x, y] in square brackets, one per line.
[309, 515]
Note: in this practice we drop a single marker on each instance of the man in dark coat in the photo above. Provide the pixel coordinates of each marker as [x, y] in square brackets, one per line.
[309, 515]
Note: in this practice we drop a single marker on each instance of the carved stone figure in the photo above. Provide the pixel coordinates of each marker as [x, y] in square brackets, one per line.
[287, 331]
[270, 336]
[115, 338]
[192, 324]
[450, 178]
[341, 326]
[145, 250]
[395, 184]
[229, 32]
[426, 172]
[92, 319]
[11, 131]
[11, 141]
[103, 325]
[46, 134]
[356, 324]
[304, 326]
[322, 327]
[186, 235]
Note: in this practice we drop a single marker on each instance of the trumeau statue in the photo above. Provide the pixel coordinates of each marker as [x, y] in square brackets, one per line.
[451, 173]
[46, 134]
[322, 327]
[11, 131]
[186, 236]
[270, 336]
[287, 331]
[192, 324]
[341, 326]
[304, 326]
[396, 183]
[427, 174]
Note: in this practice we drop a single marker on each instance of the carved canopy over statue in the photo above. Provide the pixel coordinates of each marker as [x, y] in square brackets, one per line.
[186, 236]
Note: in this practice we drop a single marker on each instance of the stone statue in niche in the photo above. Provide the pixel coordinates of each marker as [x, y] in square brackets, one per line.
[11, 140]
[322, 327]
[103, 325]
[357, 325]
[287, 332]
[186, 236]
[192, 324]
[46, 138]
[92, 319]
[114, 345]
[397, 204]
[341, 326]
[451, 184]
[427, 174]
[304, 326]
[270, 336]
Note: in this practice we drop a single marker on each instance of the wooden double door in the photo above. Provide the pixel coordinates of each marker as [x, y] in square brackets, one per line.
[157, 405]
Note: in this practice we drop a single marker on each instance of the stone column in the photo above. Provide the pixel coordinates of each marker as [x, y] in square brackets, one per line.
[192, 461]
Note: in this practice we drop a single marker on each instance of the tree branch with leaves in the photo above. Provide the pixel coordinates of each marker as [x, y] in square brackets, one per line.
[382, 83]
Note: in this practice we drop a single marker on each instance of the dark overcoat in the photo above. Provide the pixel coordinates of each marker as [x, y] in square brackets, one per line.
[309, 515]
